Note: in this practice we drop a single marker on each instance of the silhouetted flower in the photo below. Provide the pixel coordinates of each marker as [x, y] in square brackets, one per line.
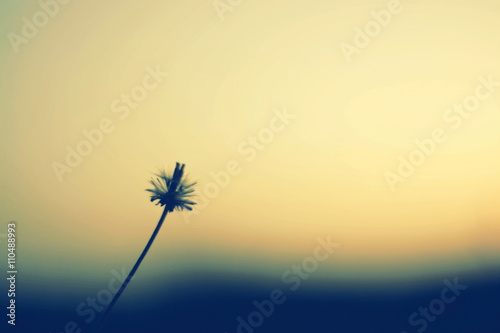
[172, 191]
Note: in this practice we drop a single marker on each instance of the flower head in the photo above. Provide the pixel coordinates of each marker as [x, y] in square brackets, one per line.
[172, 191]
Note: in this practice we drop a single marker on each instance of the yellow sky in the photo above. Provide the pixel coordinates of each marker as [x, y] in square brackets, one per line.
[322, 174]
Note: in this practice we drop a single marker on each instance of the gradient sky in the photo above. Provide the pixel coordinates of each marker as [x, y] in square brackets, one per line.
[322, 175]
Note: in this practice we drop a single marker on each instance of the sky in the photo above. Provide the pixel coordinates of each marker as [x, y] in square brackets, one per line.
[294, 123]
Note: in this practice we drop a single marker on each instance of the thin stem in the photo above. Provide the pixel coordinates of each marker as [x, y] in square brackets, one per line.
[134, 269]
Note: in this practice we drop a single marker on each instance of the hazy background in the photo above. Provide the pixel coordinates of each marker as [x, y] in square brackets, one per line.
[322, 175]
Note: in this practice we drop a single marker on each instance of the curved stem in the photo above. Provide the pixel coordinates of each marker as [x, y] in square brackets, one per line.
[134, 269]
